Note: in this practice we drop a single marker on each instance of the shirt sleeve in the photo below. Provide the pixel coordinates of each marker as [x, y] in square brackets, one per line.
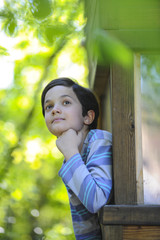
[90, 182]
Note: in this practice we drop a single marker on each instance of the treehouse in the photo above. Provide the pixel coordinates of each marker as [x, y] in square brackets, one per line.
[135, 213]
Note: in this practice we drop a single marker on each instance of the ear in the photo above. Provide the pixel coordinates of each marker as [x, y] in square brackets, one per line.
[89, 118]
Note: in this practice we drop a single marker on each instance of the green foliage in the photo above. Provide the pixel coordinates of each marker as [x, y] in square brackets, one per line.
[3, 51]
[34, 202]
[108, 49]
[40, 8]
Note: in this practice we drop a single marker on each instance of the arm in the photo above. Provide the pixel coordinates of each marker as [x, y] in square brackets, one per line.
[92, 182]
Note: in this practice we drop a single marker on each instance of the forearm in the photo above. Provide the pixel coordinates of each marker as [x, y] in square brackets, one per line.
[86, 185]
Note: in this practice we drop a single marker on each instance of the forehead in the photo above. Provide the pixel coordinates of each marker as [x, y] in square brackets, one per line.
[57, 92]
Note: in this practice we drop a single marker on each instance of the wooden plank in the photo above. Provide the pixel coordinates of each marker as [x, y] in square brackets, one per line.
[138, 129]
[101, 79]
[124, 165]
[106, 122]
[141, 233]
[130, 215]
[112, 233]
[124, 14]
[141, 41]
[108, 14]
[102, 89]
[92, 15]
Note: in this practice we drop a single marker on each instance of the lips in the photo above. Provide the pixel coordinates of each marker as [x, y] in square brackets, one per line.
[57, 120]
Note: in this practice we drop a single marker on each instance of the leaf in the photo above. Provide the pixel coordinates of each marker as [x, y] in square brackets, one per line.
[3, 51]
[22, 44]
[10, 26]
[108, 49]
[40, 8]
[4, 13]
[53, 32]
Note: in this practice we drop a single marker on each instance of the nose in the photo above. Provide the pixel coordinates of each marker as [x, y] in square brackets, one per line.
[56, 109]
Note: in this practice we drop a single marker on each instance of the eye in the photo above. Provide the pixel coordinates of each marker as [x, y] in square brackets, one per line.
[66, 102]
[48, 107]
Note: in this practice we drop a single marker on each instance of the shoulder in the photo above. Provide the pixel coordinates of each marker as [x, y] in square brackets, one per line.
[99, 141]
[101, 135]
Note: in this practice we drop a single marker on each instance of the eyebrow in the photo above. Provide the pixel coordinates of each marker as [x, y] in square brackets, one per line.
[65, 95]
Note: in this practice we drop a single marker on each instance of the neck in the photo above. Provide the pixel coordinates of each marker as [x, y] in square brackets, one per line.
[84, 136]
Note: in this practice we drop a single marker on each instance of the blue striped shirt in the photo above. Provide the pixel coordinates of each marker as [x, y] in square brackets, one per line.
[88, 179]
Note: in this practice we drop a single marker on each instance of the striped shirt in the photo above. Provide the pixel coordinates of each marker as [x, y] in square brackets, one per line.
[88, 179]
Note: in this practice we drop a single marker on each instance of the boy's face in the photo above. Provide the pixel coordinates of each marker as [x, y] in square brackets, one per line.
[63, 111]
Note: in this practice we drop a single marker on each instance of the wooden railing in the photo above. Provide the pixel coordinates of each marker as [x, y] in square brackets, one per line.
[130, 222]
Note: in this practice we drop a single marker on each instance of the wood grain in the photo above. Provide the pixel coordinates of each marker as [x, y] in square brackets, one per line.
[130, 215]
[123, 122]
[112, 232]
[141, 233]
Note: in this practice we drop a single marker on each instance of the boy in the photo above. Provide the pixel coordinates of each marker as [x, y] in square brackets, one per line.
[71, 113]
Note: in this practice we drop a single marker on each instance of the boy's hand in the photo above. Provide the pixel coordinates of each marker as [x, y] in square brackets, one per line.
[69, 142]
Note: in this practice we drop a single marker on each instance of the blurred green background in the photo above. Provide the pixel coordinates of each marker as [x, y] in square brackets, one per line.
[39, 41]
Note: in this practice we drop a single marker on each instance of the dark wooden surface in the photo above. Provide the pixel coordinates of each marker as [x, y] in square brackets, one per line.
[130, 215]
[103, 91]
[102, 77]
[124, 162]
[112, 232]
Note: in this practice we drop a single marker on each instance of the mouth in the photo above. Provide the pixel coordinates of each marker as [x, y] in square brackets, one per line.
[57, 120]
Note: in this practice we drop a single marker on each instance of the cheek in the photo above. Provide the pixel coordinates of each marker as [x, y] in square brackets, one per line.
[47, 120]
[79, 119]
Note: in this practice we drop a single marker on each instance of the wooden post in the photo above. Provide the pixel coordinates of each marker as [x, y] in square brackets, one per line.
[127, 146]
[123, 122]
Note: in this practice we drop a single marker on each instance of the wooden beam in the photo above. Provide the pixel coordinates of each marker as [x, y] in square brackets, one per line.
[102, 89]
[130, 215]
[141, 41]
[124, 14]
[112, 233]
[141, 233]
[124, 161]
[92, 15]
[102, 77]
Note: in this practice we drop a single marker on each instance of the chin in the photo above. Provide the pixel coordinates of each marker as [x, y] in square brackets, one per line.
[57, 132]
